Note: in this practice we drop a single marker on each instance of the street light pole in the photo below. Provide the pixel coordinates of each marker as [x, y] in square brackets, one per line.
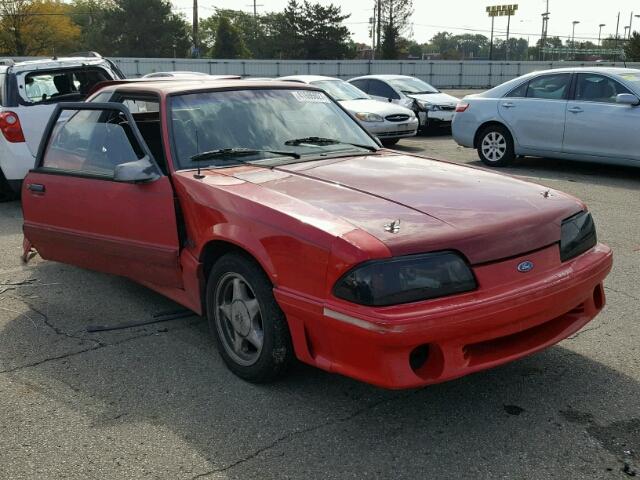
[573, 38]
[493, 21]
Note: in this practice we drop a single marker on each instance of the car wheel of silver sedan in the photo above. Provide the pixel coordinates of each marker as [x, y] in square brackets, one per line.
[495, 146]
[249, 328]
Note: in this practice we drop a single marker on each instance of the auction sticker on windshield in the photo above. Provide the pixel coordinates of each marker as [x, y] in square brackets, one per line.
[310, 96]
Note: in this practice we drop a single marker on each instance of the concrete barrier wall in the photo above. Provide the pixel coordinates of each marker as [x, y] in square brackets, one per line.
[443, 74]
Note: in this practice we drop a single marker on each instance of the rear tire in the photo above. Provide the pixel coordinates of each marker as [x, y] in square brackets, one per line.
[7, 193]
[248, 326]
[495, 146]
[391, 142]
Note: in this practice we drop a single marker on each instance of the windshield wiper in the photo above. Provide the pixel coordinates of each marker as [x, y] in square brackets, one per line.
[326, 141]
[237, 152]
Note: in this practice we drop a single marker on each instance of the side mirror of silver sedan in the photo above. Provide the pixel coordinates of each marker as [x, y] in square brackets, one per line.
[627, 99]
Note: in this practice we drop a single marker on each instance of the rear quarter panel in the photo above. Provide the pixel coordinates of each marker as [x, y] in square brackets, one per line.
[466, 124]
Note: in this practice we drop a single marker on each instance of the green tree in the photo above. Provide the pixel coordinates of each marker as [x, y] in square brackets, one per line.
[37, 27]
[228, 42]
[251, 30]
[446, 44]
[632, 48]
[141, 28]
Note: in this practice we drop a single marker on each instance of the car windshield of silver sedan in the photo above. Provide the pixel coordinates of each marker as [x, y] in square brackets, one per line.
[270, 126]
[341, 90]
[412, 86]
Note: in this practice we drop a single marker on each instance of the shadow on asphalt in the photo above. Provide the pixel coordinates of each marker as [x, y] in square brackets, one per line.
[170, 375]
[573, 171]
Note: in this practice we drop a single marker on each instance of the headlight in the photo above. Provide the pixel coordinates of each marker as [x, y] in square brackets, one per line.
[427, 106]
[405, 279]
[577, 236]
[369, 117]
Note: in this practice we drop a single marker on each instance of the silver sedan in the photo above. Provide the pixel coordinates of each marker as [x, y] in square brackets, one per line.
[588, 114]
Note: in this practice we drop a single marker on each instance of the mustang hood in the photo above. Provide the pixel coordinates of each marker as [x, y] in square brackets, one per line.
[440, 206]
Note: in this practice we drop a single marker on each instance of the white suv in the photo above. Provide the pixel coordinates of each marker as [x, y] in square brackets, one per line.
[29, 91]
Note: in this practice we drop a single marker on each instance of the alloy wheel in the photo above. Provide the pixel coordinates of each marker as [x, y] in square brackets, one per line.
[238, 319]
[494, 146]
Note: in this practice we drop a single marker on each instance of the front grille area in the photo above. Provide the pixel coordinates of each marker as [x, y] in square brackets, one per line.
[400, 117]
[395, 134]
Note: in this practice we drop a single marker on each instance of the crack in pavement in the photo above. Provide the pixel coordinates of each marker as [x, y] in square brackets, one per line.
[97, 346]
[577, 334]
[622, 292]
[300, 432]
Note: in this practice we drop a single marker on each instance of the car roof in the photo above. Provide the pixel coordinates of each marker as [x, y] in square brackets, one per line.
[609, 70]
[383, 76]
[171, 86]
[51, 63]
[307, 78]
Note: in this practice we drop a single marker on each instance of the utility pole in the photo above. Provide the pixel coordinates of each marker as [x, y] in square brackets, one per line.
[506, 46]
[615, 55]
[196, 46]
[545, 30]
[379, 25]
[630, 23]
[372, 32]
[493, 21]
[255, 18]
[600, 34]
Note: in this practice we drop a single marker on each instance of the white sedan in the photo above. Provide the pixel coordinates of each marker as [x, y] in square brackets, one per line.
[388, 122]
[432, 107]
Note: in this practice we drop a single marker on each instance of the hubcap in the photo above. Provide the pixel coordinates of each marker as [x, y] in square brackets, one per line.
[238, 319]
[494, 146]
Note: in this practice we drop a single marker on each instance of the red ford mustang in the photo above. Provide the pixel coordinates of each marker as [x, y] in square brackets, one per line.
[269, 209]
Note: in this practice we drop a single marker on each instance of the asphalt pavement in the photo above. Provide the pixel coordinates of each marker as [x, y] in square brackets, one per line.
[157, 401]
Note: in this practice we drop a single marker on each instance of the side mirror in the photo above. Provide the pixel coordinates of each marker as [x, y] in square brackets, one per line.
[627, 99]
[138, 171]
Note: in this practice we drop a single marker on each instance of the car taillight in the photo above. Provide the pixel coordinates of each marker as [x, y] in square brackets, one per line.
[461, 107]
[11, 128]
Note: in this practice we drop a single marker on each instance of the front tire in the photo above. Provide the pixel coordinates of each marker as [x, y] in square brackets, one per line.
[248, 326]
[390, 142]
[495, 146]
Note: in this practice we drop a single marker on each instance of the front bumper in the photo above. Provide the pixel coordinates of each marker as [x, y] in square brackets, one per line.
[505, 319]
[436, 118]
[390, 130]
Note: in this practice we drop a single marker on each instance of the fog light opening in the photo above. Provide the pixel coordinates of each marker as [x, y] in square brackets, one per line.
[598, 297]
[418, 357]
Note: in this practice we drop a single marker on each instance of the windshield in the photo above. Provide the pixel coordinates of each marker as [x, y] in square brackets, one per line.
[412, 85]
[632, 78]
[261, 120]
[341, 90]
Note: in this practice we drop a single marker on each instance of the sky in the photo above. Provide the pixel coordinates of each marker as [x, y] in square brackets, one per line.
[455, 16]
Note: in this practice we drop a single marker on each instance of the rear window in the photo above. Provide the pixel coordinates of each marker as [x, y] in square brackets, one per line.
[60, 85]
[549, 87]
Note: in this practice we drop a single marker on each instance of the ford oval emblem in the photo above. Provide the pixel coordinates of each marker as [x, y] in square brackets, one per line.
[525, 267]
